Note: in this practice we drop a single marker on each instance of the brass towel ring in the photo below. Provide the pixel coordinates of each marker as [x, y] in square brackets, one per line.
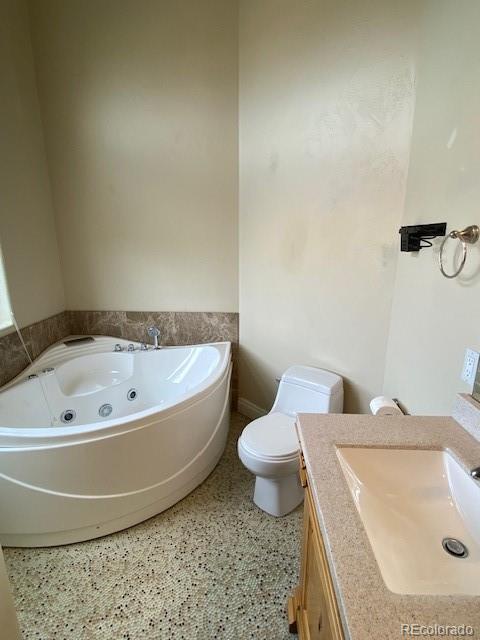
[469, 235]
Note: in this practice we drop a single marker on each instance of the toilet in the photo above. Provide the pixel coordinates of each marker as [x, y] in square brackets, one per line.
[268, 446]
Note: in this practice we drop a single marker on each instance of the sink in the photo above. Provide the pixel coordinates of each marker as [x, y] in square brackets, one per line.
[410, 501]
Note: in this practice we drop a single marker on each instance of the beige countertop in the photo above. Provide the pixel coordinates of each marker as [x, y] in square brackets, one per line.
[368, 608]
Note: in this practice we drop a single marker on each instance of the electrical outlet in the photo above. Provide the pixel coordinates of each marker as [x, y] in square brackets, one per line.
[470, 365]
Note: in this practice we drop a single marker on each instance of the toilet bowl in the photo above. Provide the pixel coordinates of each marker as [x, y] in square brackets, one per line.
[268, 446]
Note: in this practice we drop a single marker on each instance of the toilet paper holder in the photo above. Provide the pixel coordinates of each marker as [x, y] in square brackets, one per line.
[383, 405]
[418, 236]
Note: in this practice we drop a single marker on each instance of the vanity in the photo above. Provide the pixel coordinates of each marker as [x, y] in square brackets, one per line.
[391, 537]
[312, 609]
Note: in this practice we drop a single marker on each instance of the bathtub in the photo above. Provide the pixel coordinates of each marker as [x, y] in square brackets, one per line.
[94, 440]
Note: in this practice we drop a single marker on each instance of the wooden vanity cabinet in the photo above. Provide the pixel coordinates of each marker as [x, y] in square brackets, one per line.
[312, 609]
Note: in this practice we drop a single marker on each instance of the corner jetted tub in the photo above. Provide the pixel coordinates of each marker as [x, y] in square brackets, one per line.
[94, 440]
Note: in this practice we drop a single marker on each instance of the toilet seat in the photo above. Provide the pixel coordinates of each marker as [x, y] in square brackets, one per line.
[271, 438]
[269, 447]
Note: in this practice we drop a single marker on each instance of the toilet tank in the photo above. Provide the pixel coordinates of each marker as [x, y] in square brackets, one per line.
[304, 389]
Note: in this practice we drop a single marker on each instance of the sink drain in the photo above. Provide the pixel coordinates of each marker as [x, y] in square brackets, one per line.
[455, 548]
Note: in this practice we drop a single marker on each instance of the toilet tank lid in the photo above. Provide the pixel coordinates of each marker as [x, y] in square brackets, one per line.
[313, 378]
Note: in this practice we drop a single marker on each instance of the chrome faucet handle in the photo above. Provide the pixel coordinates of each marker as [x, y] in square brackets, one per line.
[154, 332]
[143, 347]
[475, 473]
[131, 347]
[118, 347]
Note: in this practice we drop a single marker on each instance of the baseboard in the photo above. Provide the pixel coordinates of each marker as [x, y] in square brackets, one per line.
[249, 409]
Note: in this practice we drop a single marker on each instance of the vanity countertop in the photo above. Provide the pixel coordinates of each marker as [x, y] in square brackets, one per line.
[368, 608]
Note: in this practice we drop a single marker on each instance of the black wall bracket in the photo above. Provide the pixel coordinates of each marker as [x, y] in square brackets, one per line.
[418, 236]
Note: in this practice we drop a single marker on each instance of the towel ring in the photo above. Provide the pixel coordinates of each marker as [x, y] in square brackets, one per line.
[469, 235]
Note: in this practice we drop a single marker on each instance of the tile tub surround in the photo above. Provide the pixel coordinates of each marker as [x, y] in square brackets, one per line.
[13, 358]
[212, 566]
[368, 608]
[37, 338]
[176, 328]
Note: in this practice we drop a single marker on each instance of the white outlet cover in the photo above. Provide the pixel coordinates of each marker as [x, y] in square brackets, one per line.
[470, 365]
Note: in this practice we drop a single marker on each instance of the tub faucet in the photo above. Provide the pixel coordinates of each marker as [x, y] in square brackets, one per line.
[154, 332]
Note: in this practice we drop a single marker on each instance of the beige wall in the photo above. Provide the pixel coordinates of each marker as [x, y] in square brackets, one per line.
[435, 319]
[326, 100]
[140, 111]
[27, 231]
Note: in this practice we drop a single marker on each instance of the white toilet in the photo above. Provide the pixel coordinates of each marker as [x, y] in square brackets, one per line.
[268, 446]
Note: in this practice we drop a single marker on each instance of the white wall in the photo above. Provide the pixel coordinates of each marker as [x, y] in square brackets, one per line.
[326, 101]
[435, 319]
[27, 229]
[140, 110]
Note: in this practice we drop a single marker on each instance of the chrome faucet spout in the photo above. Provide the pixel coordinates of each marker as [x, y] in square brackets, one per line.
[154, 332]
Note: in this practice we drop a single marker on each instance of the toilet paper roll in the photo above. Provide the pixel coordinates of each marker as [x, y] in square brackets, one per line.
[383, 406]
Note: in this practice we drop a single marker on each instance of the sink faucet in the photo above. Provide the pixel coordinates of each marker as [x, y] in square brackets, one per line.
[154, 332]
[475, 473]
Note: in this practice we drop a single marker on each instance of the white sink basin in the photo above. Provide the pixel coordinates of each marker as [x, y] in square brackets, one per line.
[409, 502]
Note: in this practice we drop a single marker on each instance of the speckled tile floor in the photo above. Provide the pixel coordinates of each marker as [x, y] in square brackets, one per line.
[212, 566]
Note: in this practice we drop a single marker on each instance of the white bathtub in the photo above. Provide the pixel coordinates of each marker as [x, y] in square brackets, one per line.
[67, 482]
